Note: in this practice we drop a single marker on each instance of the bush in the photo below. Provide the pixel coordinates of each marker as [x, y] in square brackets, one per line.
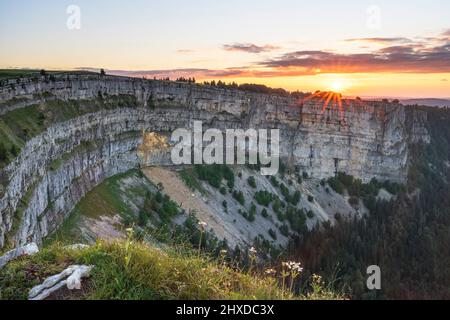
[264, 213]
[143, 218]
[310, 198]
[273, 234]
[354, 201]
[263, 198]
[252, 213]
[310, 214]
[214, 174]
[295, 199]
[284, 230]
[14, 150]
[239, 196]
[276, 206]
[3, 152]
[274, 181]
[252, 182]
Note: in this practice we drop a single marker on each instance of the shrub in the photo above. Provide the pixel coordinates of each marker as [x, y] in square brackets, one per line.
[274, 181]
[239, 196]
[310, 214]
[310, 198]
[252, 182]
[264, 213]
[273, 234]
[214, 174]
[284, 230]
[3, 152]
[295, 199]
[276, 205]
[354, 201]
[14, 150]
[263, 198]
[143, 218]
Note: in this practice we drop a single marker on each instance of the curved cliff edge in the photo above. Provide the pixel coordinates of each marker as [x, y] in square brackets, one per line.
[57, 167]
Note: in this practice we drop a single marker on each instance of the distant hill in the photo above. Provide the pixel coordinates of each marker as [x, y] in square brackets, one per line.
[431, 102]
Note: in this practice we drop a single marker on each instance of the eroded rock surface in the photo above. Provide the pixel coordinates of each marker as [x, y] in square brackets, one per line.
[55, 169]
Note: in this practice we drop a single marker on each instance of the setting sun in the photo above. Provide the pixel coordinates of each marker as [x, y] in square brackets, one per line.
[337, 86]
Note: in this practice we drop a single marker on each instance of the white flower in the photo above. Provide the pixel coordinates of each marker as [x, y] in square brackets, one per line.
[202, 224]
[252, 250]
[270, 271]
[293, 266]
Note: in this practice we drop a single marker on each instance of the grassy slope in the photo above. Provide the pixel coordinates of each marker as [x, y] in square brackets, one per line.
[128, 270]
[109, 198]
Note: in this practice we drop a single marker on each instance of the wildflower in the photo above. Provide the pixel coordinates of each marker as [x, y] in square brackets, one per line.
[202, 224]
[223, 252]
[252, 251]
[270, 272]
[293, 266]
[317, 279]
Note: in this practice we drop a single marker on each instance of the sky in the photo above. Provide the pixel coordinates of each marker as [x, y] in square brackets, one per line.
[360, 48]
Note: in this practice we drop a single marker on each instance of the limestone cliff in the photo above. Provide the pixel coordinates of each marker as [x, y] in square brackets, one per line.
[56, 168]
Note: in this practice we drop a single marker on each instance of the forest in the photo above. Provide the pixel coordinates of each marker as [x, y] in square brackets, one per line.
[408, 237]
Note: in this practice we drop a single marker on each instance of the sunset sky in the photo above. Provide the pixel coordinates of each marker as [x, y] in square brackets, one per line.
[365, 48]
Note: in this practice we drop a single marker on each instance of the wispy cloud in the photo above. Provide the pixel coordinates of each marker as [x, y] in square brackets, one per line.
[185, 51]
[380, 40]
[403, 59]
[399, 55]
[249, 47]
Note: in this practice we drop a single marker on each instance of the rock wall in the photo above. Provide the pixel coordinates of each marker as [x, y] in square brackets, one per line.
[57, 168]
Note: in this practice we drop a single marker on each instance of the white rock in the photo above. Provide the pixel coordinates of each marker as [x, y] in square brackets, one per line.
[28, 250]
[70, 277]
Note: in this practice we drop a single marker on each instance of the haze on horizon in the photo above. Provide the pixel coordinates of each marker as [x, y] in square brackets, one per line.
[365, 48]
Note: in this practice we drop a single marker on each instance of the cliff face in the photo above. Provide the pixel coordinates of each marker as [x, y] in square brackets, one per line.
[58, 167]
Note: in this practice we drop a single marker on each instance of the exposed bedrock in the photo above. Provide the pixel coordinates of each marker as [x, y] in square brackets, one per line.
[58, 167]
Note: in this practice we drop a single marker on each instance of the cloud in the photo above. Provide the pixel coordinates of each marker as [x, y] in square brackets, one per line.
[380, 40]
[249, 47]
[403, 59]
[184, 51]
[430, 55]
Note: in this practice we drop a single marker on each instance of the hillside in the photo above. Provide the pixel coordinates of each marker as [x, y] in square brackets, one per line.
[130, 270]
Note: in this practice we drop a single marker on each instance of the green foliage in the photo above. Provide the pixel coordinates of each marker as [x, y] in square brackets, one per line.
[273, 234]
[251, 182]
[310, 198]
[263, 198]
[284, 230]
[276, 205]
[190, 179]
[295, 199]
[264, 213]
[239, 196]
[3, 153]
[214, 174]
[408, 236]
[274, 181]
[297, 219]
